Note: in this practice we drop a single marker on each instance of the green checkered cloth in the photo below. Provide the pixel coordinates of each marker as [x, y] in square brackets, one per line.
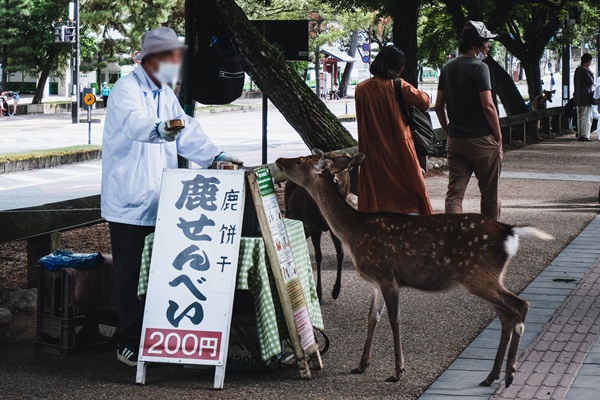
[254, 274]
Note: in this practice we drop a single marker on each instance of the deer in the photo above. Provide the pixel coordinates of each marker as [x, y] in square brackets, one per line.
[300, 205]
[540, 102]
[430, 253]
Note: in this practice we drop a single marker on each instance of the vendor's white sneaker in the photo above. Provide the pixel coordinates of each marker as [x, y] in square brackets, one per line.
[127, 355]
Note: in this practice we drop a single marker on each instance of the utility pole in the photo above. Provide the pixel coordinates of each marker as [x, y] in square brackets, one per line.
[74, 16]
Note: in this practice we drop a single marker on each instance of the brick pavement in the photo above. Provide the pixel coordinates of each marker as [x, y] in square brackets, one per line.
[562, 326]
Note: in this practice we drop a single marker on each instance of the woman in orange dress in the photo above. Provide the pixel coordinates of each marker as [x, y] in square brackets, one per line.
[390, 178]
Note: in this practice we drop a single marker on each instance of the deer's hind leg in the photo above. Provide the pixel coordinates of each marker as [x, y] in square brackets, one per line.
[377, 304]
[521, 308]
[504, 341]
[511, 311]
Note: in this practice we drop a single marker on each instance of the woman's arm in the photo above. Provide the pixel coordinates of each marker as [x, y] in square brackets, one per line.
[414, 97]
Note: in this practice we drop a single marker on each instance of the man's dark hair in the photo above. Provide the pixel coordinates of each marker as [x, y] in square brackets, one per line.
[389, 63]
[470, 38]
[586, 58]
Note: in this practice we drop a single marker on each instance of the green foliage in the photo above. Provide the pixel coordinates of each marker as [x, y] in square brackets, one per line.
[436, 33]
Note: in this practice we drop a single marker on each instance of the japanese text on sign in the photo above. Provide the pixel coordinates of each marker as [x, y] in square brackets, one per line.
[193, 268]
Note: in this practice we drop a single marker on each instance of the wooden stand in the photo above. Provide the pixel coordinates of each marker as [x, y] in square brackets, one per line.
[308, 356]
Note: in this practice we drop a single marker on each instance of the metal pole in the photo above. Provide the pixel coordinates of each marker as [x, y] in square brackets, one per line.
[265, 115]
[566, 74]
[75, 66]
[598, 52]
[89, 120]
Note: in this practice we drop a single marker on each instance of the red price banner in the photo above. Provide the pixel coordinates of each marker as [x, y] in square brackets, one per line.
[169, 343]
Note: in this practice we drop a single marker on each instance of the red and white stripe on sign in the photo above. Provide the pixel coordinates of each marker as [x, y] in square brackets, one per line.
[175, 343]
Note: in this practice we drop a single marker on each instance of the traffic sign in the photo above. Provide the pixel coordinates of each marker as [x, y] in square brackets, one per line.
[366, 46]
[366, 59]
[89, 99]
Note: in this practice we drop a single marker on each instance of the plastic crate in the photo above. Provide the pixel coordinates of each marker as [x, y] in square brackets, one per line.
[72, 305]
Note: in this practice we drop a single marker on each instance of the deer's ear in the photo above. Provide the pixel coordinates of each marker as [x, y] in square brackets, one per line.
[340, 164]
[324, 164]
[318, 152]
[357, 160]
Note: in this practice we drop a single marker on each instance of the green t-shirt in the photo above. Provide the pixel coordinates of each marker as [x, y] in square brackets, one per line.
[461, 80]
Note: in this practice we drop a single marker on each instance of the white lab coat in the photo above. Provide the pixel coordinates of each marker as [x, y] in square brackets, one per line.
[133, 153]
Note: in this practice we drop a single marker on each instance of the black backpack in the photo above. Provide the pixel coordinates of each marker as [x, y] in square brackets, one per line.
[215, 69]
[419, 123]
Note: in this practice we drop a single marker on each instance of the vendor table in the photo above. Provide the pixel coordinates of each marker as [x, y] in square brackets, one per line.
[254, 274]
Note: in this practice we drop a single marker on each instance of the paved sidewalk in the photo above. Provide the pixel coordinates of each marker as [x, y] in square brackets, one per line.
[562, 326]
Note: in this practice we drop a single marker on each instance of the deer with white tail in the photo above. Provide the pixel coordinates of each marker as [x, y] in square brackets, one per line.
[429, 253]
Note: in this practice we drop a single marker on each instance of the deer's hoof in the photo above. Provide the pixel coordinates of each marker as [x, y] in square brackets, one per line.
[509, 380]
[336, 292]
[488, 381]
[393, 378]
[360, 369]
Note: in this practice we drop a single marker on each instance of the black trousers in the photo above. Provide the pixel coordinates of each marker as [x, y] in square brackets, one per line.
[127, 243]
[105, 101]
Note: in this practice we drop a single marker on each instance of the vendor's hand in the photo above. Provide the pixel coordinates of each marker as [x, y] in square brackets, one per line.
[169, 130]
[228, 158]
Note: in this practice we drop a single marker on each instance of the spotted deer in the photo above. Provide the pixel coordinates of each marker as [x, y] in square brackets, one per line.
[300, 205]
[430, 253]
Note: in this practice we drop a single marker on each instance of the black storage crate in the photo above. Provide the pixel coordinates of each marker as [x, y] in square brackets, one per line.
[72, 304]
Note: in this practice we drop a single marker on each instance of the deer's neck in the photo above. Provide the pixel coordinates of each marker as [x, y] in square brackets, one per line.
[343, 220]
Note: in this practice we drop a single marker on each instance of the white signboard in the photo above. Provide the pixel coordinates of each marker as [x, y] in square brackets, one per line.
[193, 270]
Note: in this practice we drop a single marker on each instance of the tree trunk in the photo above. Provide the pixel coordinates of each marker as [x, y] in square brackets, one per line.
[50, 58]
[304, 111]
[405, 15]
[533, 75]
[349, 66]
[4, 61]
[506, 89]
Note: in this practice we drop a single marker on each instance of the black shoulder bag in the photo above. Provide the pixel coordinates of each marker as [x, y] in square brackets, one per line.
[419, 123]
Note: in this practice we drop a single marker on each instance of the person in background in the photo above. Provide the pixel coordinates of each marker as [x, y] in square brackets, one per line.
[552, 81]
[14, 96]
[137, 146]
[583, 82]
[105, 92]
[467, 114]
[390, 178]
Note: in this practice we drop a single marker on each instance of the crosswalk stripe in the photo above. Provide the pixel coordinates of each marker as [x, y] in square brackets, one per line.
[25, 178]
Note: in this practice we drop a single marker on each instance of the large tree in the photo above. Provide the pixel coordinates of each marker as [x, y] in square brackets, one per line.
[299, 105]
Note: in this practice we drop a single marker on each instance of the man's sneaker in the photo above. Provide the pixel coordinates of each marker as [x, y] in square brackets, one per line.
[128, 355]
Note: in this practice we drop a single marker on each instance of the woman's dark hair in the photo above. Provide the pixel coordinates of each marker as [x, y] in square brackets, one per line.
[389, 63]
[586, 58]
[470, 38]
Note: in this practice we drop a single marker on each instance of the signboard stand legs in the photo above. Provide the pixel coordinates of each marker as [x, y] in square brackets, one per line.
[140, 377]
[277, 245]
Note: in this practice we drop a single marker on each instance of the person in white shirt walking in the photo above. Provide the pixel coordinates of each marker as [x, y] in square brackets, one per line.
[137, 146]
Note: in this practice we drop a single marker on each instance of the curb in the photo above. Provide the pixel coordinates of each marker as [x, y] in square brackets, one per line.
[48, 161]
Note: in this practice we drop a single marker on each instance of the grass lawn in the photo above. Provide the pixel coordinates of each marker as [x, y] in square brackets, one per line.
[62, 151]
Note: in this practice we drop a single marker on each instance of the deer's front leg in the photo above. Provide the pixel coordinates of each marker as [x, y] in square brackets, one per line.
[377, 304]
[391, 295]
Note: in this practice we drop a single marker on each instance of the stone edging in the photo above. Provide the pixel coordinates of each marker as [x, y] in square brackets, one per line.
[48, 161]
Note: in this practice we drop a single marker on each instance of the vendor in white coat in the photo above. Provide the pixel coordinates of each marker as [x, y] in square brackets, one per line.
[139, 143]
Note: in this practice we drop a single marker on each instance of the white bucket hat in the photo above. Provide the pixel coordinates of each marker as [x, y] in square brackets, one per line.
[159, 40]
[482, 30]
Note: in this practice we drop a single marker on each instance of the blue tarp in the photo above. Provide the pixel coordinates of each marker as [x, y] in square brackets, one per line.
[67, 259]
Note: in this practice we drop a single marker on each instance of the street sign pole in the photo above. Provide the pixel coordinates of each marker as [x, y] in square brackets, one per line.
[75, 66]
[89, 121]
[89, 99]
